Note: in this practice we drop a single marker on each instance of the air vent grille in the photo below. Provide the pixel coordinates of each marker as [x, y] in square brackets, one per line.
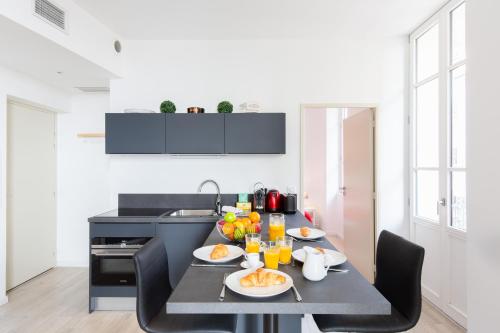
[51, 13]
[93, 89]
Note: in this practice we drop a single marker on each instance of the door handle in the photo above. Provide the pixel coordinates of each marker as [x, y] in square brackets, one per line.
[442, 203]
[342, 190]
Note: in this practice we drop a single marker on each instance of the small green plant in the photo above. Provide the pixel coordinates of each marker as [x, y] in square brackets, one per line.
[167, 107]
[225, 107]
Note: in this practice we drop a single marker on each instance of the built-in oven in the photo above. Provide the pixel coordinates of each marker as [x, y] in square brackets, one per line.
[112, 260]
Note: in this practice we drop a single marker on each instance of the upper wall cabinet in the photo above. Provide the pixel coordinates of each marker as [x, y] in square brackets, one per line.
[189, 133]
[255, 133]
[183, 133]
[135, 133]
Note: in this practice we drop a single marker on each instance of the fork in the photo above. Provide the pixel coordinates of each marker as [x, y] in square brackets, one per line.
[223, 291]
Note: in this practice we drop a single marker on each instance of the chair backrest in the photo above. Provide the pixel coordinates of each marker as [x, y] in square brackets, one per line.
[153, 285]
[399, 272]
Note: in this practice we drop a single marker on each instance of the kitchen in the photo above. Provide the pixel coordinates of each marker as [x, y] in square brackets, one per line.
[168, 118]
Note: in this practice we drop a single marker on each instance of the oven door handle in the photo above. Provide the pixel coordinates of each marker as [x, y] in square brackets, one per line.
[111, 253]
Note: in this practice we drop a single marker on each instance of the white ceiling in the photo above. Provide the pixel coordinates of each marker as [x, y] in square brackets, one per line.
[267, 19]
[30, 53]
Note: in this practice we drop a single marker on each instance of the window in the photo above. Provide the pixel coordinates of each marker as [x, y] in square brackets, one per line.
[439, 115]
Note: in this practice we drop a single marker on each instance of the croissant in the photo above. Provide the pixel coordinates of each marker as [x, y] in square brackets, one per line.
[261, 278]
[219, 251]
[305, 231]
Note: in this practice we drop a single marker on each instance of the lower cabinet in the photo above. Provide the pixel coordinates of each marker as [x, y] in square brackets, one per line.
[180, 241]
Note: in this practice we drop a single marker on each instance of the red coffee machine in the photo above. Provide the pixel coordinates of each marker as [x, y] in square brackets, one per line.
[273, 201]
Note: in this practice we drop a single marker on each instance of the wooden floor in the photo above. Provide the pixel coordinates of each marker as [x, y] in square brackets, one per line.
[57, 301]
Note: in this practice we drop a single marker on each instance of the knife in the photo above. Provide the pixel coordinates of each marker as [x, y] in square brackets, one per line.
[297, 295]
[213, 265]
[223, 291]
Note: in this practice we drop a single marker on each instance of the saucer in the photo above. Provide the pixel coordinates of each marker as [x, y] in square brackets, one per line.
[245, 265]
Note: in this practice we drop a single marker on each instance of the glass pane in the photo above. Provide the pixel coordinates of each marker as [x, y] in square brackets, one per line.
[458, 200]
[427, 140]
[458, 117]
[427, 192]
[458, 34]
[428, 53]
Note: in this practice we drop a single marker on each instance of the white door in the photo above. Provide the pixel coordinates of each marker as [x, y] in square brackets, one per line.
[31, 186]
[438, 171]
[359, 189]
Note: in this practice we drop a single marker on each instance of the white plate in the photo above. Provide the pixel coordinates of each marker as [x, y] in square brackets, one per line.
[314, 234]
[233, 283]
[203, 253]
[244, 264]
[332, 258]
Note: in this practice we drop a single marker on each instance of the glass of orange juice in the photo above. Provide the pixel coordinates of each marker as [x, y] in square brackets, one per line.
[271, 255]
[276, 226]
[285, 244]
[252, 242]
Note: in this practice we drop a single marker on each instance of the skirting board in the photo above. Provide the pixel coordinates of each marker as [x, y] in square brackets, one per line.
[4, 300]
[70, 263]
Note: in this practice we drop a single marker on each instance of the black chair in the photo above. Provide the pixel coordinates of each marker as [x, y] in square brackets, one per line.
[153, 290]
[399, 271]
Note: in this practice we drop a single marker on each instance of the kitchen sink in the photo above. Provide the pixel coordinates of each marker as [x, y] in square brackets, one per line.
[193, 212]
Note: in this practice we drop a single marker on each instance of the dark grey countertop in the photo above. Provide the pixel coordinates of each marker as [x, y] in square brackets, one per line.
[338, 293]
[149, 208]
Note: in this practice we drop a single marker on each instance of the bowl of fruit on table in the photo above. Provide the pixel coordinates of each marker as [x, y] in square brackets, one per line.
[234, 228]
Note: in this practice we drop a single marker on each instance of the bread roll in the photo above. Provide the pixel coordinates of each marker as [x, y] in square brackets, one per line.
[219, 251]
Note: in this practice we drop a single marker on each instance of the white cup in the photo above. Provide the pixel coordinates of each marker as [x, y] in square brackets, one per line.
[253, 259]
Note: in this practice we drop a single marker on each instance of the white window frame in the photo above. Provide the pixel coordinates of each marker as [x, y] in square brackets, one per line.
[443, 19]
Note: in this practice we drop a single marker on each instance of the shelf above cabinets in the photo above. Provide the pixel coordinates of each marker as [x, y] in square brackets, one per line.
[196, 134]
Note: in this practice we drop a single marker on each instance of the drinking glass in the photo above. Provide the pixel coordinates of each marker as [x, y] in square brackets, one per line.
[285, 244]
[276, 226]
[271, 255]
[252, 242]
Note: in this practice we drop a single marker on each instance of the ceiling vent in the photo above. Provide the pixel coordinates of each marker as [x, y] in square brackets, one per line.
[51, 13]
[93, 89]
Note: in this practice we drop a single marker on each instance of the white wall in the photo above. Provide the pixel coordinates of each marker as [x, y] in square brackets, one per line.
[334, 199]
[279, 74]
[85, 35]
[83, 183]
[483, 158]
[315, 147]
[20, 86]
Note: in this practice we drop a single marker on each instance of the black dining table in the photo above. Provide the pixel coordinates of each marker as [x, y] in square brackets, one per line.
[338, 293]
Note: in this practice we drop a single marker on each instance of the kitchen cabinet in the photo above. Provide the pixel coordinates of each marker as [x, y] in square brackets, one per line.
[206, 133]
[180, 240]
[255, 133]
[135, 133]
[194, 133]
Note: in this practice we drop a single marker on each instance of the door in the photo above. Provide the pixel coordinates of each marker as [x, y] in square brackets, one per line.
[359, 190]
[135, 133]
[194, 133]
[31, 186]
[437, 161]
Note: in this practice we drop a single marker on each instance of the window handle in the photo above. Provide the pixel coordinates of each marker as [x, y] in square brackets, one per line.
[441, 203]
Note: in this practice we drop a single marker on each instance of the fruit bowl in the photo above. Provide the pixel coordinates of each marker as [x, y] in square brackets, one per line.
[236, 229]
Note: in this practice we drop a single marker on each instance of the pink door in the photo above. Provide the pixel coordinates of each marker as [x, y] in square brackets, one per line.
[359, 199]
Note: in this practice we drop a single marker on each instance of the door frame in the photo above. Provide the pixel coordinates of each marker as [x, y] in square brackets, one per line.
[374, 107]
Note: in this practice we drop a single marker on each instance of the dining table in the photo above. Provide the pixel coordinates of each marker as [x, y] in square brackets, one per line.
[343, 293]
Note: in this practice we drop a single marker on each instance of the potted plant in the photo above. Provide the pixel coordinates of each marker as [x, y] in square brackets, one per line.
[225, 107]
[167, 107]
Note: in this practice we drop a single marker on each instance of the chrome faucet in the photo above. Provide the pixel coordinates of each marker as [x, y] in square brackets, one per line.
[218, 204]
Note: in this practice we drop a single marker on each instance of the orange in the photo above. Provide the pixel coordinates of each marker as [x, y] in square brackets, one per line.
[228, 229]
[246, 221]
[254, 217]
